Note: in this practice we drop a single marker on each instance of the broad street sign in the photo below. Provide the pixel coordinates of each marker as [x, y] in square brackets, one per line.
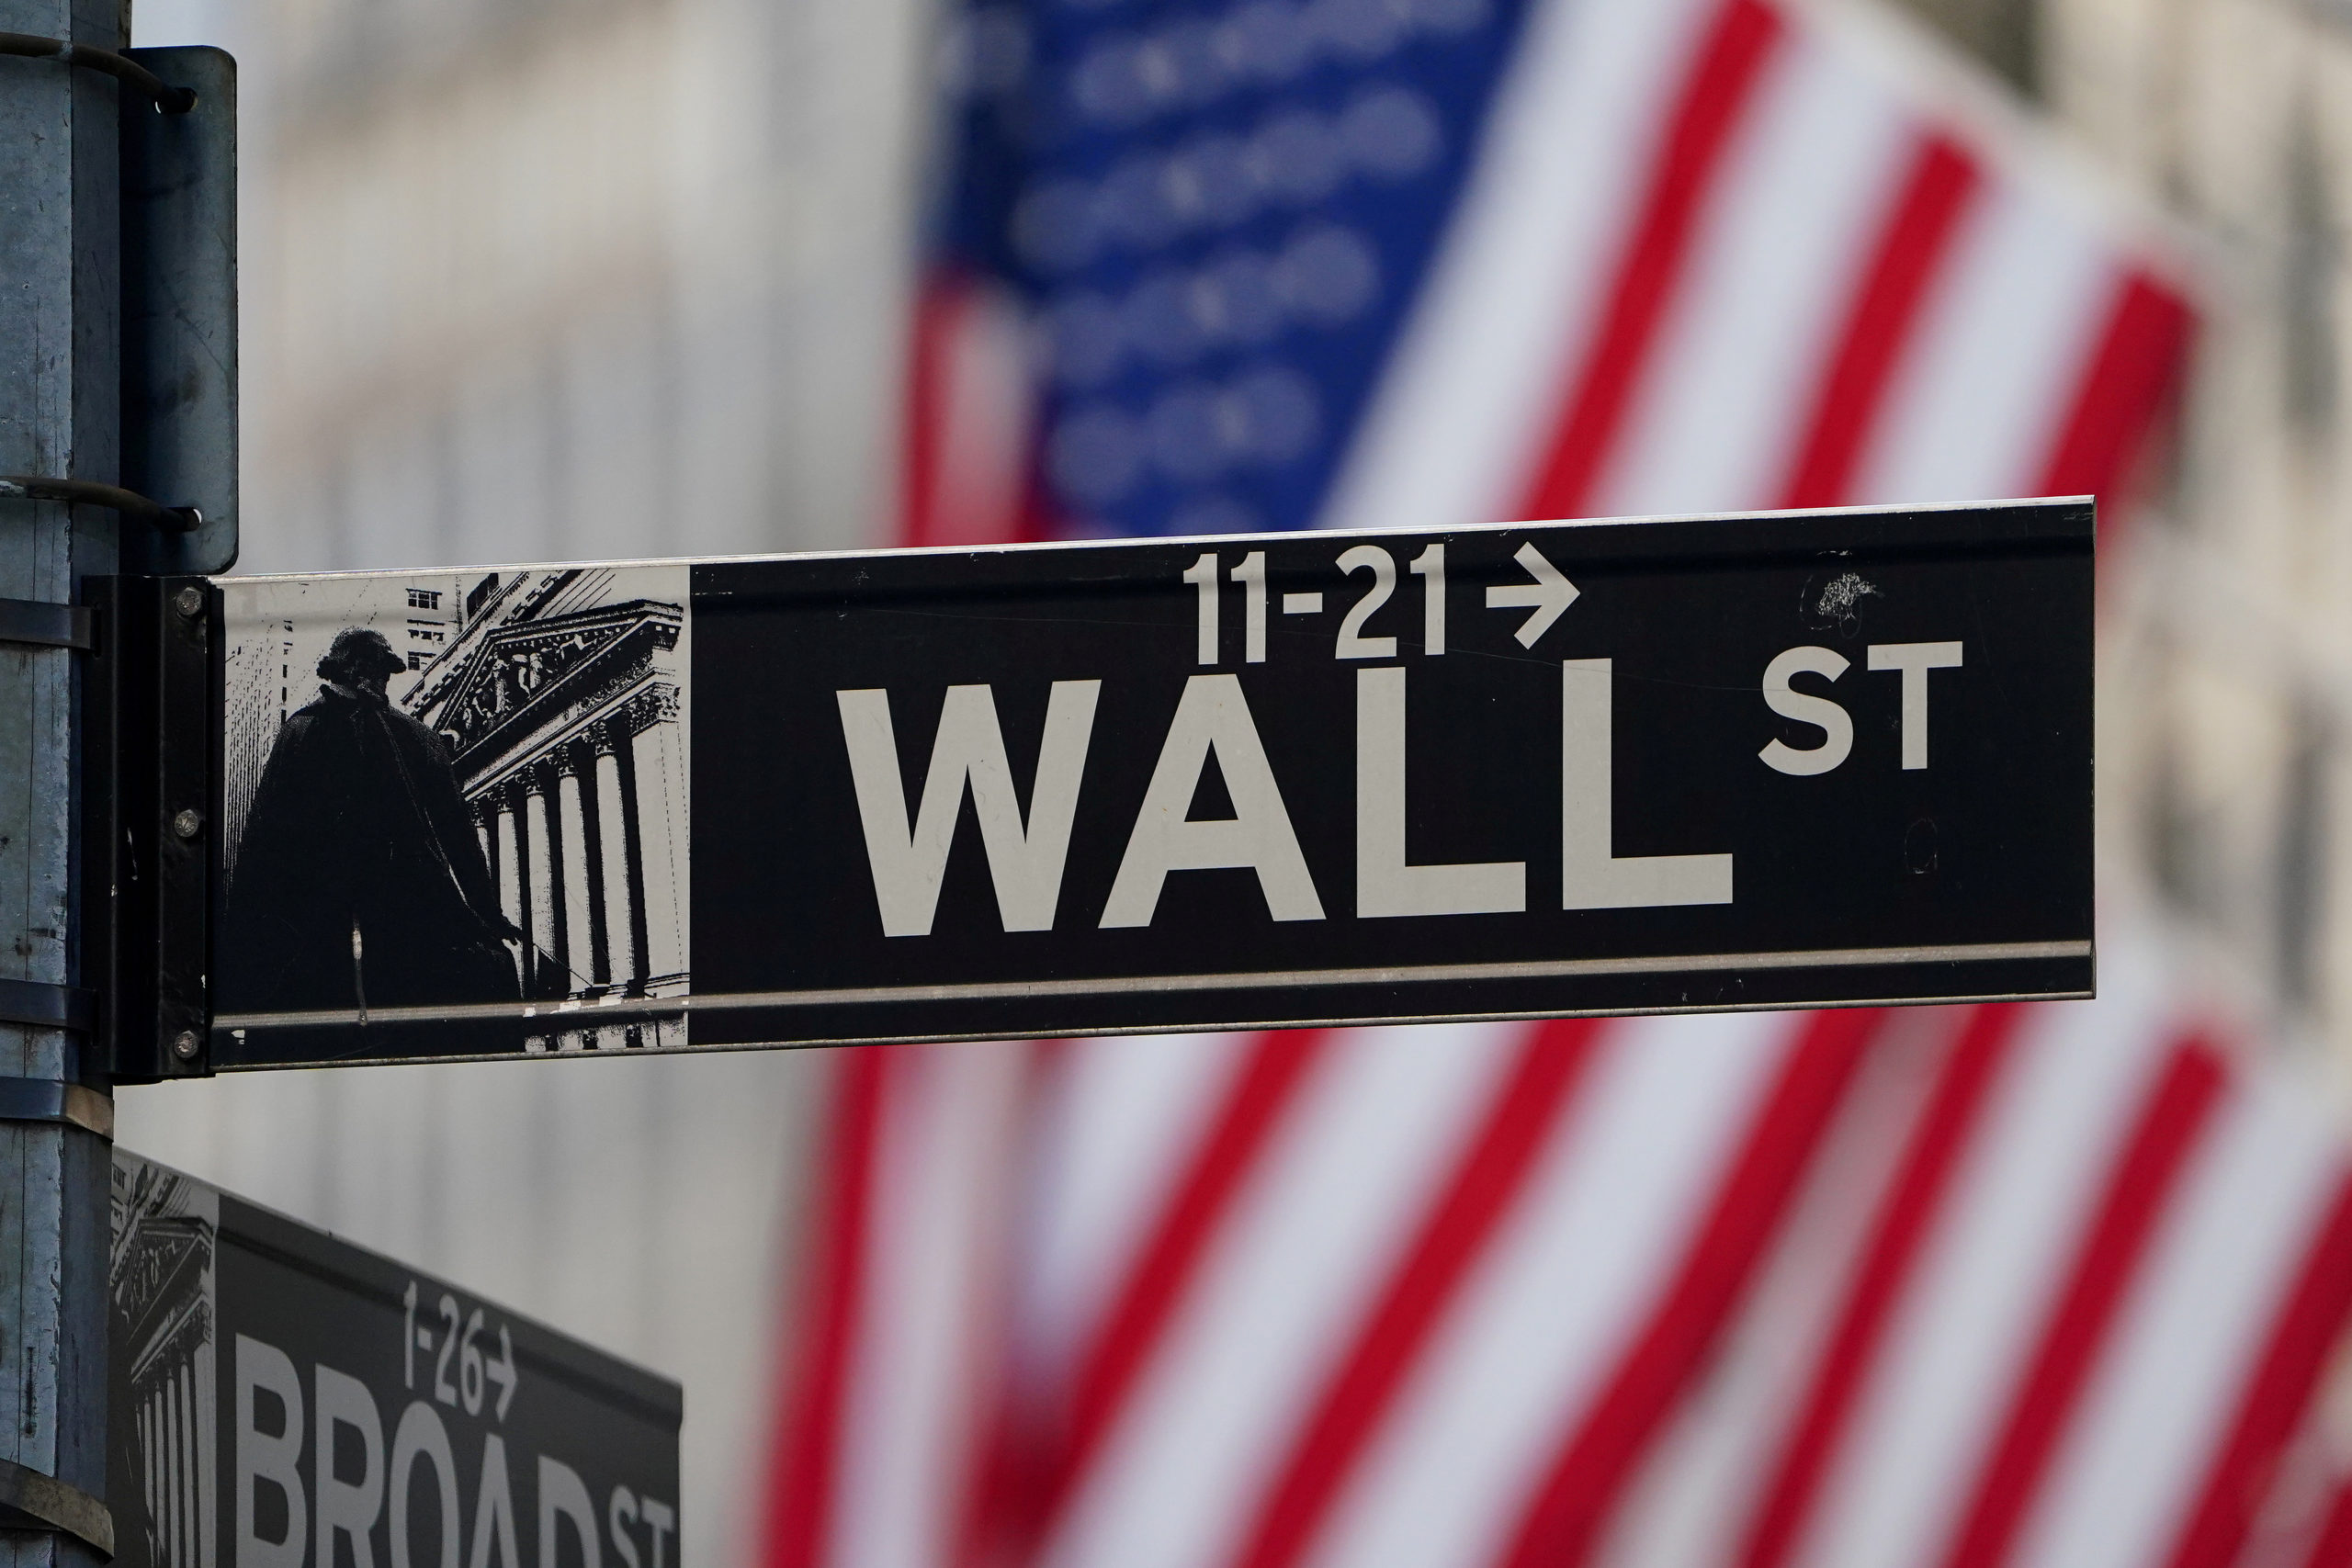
[280, 1397]
[1530, 770]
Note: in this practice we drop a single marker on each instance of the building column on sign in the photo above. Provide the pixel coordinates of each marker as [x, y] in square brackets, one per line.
[191, 1494]
[486, 830]
[175, 1484]
[207, 1416]
[633, 846]
[557, 895]
[172, 1455]
[163, 1463]
[498, 817]
[151, 1452]
[547, 893]
[661, 805]
[618, 834]
[146, 1420]
[165, 1457]
[514, 895]
[579, 850]
[167, 1462]
[582, 768]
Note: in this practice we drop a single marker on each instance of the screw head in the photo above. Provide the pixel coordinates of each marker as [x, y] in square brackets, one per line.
[189, 601]
[188, 823]
[185, 1044]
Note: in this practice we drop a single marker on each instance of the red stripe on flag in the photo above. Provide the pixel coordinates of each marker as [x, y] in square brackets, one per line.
[1564, 1521]
[2331, 1548]
[2177, 1108]
[2132, 372]
[1739, 39]
[996, 1482]
[939, 301]
[959, 328]
[2310, 1318]
[1918, 235]
[1454, 1234]
[1946, 1129]
[1165, 1266]
[807, 1456]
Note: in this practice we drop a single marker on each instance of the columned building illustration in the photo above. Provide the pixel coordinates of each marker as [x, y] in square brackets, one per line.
[160, 1280]
[563, 706]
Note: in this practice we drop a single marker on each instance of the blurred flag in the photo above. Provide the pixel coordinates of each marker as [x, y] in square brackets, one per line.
[1944, 1287]
[1277, 264]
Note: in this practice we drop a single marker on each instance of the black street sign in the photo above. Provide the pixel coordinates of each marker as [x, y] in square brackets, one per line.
[281, 1399]
[1529, 769]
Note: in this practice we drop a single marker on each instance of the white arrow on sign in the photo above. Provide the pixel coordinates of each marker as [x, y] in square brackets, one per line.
[502, 1372]
[1548, 596]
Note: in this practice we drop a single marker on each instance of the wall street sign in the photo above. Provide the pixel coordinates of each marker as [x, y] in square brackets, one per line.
[279, 1397]
[1769, 759]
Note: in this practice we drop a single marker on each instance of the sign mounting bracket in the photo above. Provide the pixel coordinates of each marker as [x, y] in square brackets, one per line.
[152, 789]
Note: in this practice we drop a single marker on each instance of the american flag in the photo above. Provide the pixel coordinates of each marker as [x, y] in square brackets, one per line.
[2055, 1284]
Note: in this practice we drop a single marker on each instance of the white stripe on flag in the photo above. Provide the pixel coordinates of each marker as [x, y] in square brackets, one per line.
[2001, 351]
[1468, 400]
[934, 1241]
[1606, 1213]
[1692, 1505]
[2170, 1382]
[1123, 1116]
[981, 430]
[1303, 1246]
[1976, 1300]
[1775, 264]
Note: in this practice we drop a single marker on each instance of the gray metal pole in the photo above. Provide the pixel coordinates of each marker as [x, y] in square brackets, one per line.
[60, 371]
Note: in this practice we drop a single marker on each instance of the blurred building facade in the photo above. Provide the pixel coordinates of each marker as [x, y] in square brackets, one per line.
[528, 281]
[2229, 640]
[2228, 658]
[2004, 34]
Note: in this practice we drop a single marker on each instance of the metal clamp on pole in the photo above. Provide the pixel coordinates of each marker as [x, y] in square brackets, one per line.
[131, 74]
[46, 1099]
[88, 493]
[40, 623]
[39, 1005]
[31, 1500]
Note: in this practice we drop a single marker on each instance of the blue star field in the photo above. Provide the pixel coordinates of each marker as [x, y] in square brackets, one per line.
[1216, 217]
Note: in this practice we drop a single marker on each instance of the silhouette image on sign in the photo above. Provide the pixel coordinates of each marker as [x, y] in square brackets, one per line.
[465, 827]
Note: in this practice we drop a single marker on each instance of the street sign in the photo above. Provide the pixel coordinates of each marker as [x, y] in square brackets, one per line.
[1529, 769]
[279, 1397]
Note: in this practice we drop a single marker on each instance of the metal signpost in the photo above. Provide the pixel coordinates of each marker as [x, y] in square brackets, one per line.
[280, 1396]
[1531, 770]
[79, 424]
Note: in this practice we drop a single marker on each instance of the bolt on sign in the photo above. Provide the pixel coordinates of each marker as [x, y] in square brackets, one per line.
[279, 1397]
[1760, 760]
